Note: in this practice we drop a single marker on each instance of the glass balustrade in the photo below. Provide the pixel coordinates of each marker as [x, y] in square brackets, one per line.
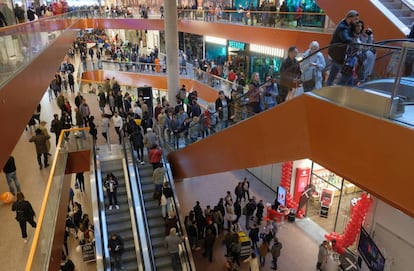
[70, 141]
[20, 44]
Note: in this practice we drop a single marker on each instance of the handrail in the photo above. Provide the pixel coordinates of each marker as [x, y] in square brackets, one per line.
[189, 260]
[141, 218]
[47, 193]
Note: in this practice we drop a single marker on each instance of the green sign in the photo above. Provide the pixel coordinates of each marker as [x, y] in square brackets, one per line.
[237, 45]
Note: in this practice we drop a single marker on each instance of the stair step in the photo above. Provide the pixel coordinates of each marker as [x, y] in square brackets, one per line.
[154, 213]
[392, 5]
[407, 21]
[158, 242]
[148, 187]
[157, 232]
[164, 262]
[160, 252]
[123, 226]
[401, 12]
[151, 204]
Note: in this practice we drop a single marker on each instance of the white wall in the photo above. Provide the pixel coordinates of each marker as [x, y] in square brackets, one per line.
[269, 174]
[392, 231]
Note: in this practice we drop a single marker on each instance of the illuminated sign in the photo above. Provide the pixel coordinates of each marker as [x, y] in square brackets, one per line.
[237, 45]
[277, 52]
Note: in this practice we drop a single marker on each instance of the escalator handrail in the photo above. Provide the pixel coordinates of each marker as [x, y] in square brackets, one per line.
[181, 229]
[138, 199]
[100, 223]
[137, 227]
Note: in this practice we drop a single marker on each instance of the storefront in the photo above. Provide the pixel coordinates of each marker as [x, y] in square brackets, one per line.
[332, 199]
[238, 54]
[216, 49]
[265, 60]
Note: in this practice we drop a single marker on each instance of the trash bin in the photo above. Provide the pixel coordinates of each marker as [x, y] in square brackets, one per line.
[291, 216]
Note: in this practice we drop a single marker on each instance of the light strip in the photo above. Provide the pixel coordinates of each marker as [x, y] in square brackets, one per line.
[215, 40]
[261, 49]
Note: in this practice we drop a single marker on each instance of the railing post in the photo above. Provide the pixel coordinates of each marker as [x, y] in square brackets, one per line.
[394, 100]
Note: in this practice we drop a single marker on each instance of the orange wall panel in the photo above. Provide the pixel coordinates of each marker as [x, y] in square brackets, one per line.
[21, 95]
[254, 142]
[382, 27]
[273, 37]
[156, 81]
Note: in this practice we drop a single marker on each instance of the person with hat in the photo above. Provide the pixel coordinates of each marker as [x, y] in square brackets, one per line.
[40, 141]
[342, 35]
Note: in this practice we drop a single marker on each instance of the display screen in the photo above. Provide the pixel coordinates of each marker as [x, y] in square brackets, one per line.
[281, 195]
[370, 252]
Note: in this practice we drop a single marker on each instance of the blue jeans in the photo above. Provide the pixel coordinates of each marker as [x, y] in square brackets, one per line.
[175, 261]
[333, 73]
[11, 177]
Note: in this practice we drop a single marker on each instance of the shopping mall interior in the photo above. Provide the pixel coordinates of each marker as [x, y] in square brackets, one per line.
[332, 163]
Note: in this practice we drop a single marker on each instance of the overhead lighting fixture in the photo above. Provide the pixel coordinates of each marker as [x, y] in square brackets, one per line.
[261, 49]
[215, 40]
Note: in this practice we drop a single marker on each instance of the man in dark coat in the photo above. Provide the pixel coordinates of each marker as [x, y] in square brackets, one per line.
[41, 147]
[341, 35]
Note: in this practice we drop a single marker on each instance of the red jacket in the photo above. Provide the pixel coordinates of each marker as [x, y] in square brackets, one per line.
[155, 155]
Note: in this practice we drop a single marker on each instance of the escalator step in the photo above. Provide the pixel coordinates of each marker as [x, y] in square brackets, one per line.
[154, 213]
[148, 187]
[158, 241]
[157, 232]
[160, 252]
[153, 204]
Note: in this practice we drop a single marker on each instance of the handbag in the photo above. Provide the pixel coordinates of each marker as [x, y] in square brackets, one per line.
[309, 84]
[163, 200]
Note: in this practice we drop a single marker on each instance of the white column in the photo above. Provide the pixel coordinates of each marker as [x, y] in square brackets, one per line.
[171, 47]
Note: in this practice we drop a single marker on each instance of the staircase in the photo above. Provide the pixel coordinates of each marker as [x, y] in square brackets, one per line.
[119, 221]
[155, 221]
[400, 10]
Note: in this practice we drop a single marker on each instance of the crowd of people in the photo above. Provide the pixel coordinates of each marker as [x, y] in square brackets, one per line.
[221, 223]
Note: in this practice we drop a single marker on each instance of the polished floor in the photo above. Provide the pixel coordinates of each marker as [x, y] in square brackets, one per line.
[300, 240]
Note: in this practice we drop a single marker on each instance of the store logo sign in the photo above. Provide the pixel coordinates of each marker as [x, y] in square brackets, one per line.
[237, 45]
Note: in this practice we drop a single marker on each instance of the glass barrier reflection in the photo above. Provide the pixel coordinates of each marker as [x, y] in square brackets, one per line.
[20, 44]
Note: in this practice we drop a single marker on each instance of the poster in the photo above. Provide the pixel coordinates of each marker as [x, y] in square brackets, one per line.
[88, 252]
[301, 182]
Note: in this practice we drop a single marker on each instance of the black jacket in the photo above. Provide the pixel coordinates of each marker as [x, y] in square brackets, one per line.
[342, 35]
[24, 210]
[219, 104]
[289, 71]
[9, 167]
[117, 245]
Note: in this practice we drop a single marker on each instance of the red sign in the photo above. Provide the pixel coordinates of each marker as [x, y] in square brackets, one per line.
[301, 181]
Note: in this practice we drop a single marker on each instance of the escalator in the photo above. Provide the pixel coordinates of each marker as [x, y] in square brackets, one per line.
[374, 13]
[154, 218]
[119, 221]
